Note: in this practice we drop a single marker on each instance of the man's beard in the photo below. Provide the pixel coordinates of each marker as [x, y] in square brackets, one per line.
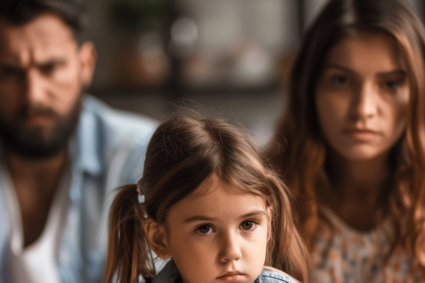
[39, 142]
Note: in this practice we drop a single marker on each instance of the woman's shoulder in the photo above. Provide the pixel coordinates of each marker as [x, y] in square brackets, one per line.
[273, 275]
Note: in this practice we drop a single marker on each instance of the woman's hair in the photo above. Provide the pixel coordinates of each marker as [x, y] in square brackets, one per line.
[181, 154]
[304, 158]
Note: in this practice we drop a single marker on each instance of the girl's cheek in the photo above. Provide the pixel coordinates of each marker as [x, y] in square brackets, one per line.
[198, 237]
[255, 233]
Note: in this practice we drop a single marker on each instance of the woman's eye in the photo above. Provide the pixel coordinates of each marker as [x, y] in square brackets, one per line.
[392, 85]
[205, 229]
[248, 225]
[339, 80]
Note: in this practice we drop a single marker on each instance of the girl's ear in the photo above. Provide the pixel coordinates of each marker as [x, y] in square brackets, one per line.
[156, 238]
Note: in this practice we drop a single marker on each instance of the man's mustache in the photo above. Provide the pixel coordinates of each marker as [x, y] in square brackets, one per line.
[28, 111]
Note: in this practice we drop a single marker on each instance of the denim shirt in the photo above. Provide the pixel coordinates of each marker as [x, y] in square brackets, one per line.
[107, 151]
[170, 274]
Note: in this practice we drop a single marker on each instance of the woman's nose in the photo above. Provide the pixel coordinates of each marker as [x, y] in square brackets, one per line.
[364, 104]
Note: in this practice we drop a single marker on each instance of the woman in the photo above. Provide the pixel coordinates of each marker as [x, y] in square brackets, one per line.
[353, 139]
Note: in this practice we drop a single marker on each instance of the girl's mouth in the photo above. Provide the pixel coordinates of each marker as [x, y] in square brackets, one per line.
[231, 276]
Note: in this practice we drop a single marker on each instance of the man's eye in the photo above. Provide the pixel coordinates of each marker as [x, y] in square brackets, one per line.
[48, 68]
[6, 70]
[205, 229]
[248, 225]
[339, 80]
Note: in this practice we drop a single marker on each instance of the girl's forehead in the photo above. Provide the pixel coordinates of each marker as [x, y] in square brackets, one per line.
[208, 188]
[216, 199]
[210, 184]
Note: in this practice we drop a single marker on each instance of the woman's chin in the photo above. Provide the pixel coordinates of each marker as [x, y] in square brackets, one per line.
[360, 153]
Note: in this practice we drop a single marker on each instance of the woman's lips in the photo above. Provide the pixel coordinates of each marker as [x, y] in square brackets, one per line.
[361, 134]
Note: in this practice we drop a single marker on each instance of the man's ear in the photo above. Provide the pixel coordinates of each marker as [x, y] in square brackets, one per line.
[88, 58]
[156, 238]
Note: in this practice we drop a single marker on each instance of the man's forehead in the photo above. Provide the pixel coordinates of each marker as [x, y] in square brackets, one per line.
[45, 37]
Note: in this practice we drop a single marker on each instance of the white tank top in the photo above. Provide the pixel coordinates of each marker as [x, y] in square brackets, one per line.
[37, 262]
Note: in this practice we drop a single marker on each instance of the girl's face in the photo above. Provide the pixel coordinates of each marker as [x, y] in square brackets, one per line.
[217, 234]
[362, 96]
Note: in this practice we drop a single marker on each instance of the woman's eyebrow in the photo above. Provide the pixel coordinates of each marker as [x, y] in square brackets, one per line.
[336, 66]
[394, 72]
[391, 72]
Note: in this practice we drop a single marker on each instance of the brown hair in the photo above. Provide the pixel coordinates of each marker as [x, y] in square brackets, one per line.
[304, 159]
[183, 152]
[72, 12]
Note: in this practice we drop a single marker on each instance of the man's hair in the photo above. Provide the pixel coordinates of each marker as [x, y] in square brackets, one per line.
[72, 12]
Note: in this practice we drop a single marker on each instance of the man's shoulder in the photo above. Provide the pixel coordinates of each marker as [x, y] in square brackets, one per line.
[113, 142]
[119, 122]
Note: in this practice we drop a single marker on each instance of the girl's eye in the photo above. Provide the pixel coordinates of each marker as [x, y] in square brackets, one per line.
[339, 80]
[248, 225]
[205, 229]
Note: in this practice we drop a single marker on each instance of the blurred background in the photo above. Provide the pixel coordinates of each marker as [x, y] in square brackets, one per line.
[229, 57]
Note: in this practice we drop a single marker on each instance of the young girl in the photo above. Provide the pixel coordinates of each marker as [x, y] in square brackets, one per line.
[211, 204]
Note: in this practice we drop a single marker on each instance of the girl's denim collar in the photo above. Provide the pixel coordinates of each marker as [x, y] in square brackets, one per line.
[170, 274]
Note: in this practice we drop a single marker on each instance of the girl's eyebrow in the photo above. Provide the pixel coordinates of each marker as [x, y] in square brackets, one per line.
[207, 218]
[254, 213]
[198, 218]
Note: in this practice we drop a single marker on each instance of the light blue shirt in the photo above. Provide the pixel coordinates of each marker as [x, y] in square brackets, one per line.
[106, 152]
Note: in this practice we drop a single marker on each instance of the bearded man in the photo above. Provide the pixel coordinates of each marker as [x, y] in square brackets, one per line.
[61, 152]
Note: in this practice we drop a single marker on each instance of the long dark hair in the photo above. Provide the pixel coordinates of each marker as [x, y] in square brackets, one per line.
[183, 152]
[303, 160]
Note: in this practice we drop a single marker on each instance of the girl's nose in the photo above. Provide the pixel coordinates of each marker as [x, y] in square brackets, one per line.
[230, 250]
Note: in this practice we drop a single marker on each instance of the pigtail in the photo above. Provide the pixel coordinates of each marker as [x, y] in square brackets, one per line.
[287, 249]
[129, 256]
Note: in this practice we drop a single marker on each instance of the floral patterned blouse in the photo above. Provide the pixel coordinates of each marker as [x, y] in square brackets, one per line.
[344, 255]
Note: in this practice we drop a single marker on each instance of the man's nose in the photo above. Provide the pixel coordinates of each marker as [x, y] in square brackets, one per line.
[230, 248]
[35, 91]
